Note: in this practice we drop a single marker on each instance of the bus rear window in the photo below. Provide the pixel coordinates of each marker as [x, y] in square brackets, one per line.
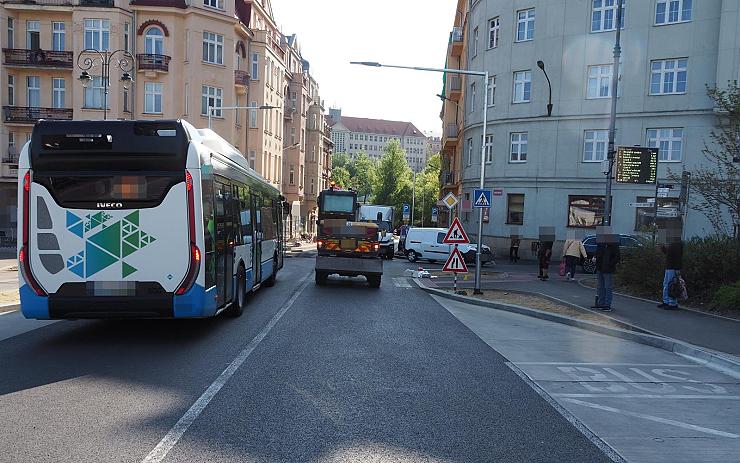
[130, 190]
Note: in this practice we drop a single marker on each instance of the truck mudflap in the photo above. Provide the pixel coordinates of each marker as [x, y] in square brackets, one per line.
[348, 266]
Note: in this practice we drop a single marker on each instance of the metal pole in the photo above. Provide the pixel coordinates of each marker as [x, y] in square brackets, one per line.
[454, 285]
[477, 290]
[106, 83]
[413, 200]
[613, 117]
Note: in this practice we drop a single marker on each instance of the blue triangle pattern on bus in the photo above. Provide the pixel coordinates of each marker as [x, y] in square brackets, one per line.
[76, 264]
[72, 219]
[97, 259]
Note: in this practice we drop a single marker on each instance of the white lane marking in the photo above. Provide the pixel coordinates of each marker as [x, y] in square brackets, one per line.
[6, 313]
[656, 419]
[401, 282]
[173, 436]
[612, 364]
[648, 396]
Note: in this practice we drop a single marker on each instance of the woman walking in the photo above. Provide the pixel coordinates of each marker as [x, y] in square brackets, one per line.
[544, 254]
[573, 251]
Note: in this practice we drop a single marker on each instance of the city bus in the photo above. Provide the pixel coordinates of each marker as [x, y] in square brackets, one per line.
[141, 219]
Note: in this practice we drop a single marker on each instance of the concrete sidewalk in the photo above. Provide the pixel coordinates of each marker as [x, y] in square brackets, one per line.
[704, 330]
[640, 402]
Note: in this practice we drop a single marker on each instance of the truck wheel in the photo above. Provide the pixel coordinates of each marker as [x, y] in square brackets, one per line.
[321, 278]
[412, 256]
[240, 298]
[374, 281]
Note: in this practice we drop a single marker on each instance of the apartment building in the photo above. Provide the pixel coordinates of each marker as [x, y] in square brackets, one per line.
[548, 170]
[319, 148]
[434, 146]
[353, 135]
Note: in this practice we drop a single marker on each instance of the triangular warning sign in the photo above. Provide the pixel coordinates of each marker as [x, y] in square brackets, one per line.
[456, 234]
[456, 262]
[482, 200]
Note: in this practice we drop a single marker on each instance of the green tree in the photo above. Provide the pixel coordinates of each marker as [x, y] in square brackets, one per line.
[364, 169]
[391, 182]
[427, 191]
[340, 176]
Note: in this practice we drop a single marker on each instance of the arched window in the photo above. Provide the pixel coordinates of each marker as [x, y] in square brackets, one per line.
[154, 41]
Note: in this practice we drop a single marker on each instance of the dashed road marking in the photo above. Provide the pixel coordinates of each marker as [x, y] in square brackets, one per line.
[401, 282]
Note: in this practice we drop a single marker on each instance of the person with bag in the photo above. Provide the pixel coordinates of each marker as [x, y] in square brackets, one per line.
[672, 289]
[607, 257]
[573, 251]
[544, 254]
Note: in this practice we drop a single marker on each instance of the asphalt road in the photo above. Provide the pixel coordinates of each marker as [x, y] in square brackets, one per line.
[336, 373]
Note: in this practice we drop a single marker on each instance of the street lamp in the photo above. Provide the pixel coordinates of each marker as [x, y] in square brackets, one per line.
[611, 152]
[212, 110]
[124, 61]
[541, 65]
[483, 74]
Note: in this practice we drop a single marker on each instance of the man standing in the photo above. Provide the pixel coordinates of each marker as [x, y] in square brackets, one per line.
[673, 250]
[607, 257]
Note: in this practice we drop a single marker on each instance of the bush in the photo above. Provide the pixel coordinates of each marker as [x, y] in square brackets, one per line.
[641, 270]
[727, 297]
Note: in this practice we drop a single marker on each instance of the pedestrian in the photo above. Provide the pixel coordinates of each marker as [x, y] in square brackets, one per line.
[607, 257]
[544, 254]
[573, 251]
[673, 250]
[514, 249]
[535, 248]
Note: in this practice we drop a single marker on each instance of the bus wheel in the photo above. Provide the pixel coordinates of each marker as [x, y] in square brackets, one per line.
[321, 278]
[271, 281]
[240, 299]
[374, 281]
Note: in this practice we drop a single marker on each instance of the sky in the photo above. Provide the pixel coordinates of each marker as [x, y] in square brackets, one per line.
[331, 33]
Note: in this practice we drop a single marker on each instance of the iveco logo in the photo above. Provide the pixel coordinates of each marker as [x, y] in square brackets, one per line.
[110, 205]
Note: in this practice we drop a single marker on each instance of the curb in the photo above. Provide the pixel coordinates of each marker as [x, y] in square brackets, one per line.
[8, 308]
[709, 358]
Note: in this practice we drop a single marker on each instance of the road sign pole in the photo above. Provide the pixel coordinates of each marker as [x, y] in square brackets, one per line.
[454, 285]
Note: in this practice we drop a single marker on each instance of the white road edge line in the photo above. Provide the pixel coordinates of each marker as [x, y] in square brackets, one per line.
[657, 419]
[173, 436]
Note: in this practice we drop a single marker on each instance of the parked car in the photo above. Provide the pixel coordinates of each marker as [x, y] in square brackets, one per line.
[426, 243]
[589, 242]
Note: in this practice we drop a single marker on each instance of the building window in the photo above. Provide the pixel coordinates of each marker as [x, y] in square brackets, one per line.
[97, 34]
[311, 189]
[253, 116]
[494, 30]
[491, 91]
[33, 94]
[470, 151]
[522, 86]
[94, 94]
[252, 158]
[213, 48]
[291, 175]
[599, 81]
[33, 29]
[154, 41]
[668, 141]
[255, 66]
[672, 11]
[595, 144]
[585, 211]
[214, 3]
[525, 25]
[515, 209]
[313, 153]
[58, 92]
[489, 149]
[11, 90]
[127, 36]
[668, 76]
[292, 136]
[603, 14]
[153, 98]
[11, 33]
[58, 35]
[11, 139]
[519, 142]
[475, 42]
[211, 97]
[472, 97]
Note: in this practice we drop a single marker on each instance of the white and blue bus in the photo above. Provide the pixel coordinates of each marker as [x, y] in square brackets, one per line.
[143, 219]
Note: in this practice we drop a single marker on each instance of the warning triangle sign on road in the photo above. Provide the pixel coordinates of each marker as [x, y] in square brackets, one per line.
[456, 262]
[482, 200]
[456, 234]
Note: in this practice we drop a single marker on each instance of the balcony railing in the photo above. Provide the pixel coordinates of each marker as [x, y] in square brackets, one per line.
[150, 62]
[456, 39]
[98, 3]
[451, 131]
[11, 156]
[29, 115]
[26, 57]
[241, 78]
[457, 34]
[454, 84]
[447, 178]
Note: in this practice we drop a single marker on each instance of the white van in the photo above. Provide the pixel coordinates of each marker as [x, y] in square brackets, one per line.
[426, 243]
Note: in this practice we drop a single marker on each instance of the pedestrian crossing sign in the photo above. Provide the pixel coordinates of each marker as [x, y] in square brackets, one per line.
[456, 262]
[456, 234]
[482, 199]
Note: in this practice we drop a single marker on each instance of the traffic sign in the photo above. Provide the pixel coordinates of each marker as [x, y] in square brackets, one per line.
[450, 200]
[406, 211]
[456, 262]
[663, 192]
[641, 204]
[498, 192]
[435, 213]
[667, 212]
[456, 234]
[482, 199]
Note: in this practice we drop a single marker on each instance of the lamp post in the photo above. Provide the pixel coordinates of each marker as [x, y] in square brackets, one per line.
[122, 59]
[541, 65]
[213, 109]
[613, 119]
[483, 74]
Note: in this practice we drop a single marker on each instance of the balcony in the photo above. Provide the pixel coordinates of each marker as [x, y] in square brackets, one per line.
[450, 137]
[29, 115]
[447, 178]
[21, 57]
[11, 156]
[456, 40]
[48, 3]
[454, 87]
[152, 63]
[241, 81]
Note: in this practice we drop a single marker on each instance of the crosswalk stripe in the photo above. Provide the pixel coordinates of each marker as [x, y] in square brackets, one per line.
[401, 282]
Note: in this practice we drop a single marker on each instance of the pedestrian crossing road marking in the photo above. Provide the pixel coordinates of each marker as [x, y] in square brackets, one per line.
[401, 282]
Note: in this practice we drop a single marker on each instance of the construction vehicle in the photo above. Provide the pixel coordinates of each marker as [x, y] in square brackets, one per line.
[382, 216]
[346, 246]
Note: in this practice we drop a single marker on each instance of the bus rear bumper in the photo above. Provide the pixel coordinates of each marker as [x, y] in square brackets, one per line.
[349, 266]
[33, 306]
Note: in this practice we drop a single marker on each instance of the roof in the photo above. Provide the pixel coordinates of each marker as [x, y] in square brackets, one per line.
[379, 126]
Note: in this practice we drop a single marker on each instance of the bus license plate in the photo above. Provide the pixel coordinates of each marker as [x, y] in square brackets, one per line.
[348, 244]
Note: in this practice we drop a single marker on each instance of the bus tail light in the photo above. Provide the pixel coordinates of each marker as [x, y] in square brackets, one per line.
[376, 246]
[23, 257]
[195, 255]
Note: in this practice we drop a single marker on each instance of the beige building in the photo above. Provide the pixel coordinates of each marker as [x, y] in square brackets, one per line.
[319, 148]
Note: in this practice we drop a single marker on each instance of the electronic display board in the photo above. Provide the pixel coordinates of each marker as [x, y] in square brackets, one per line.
[637, 165]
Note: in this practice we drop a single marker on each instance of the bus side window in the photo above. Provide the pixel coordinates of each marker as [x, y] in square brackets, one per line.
[235, 213]
[245, 214]
[220, 211]
[258, 217]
